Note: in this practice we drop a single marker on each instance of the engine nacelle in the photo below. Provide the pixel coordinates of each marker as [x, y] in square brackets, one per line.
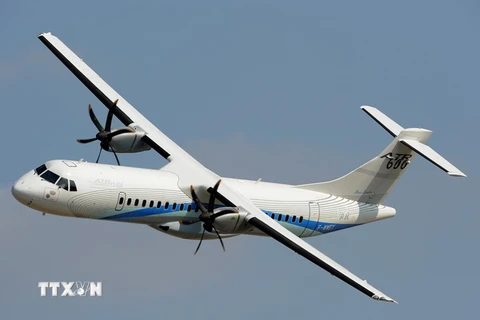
[187, 231]
[129, 142]
[232, 223]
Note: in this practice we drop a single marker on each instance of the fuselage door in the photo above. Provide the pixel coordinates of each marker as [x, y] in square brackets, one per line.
[312, 221]
[121, 201]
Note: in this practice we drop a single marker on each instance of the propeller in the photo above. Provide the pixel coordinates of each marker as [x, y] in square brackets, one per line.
[207, 216]
[105, 135]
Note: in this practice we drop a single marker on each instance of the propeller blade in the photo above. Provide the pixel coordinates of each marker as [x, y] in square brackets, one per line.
[86, 140]
[119, 131]
[213, 194]
[94, 118]
[219, 238]
[99, 153]
[114, 153]
[104, 134]
[108, 123]
[200, 243]
[197, 201]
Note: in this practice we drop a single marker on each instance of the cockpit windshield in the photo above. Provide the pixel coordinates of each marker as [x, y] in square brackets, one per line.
[50, 176]
[41, 169]
[63, 183]
[54, 178]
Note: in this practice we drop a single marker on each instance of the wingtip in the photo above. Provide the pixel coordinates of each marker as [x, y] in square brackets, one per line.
[457, 174]
[43, 34]
[386, 299]
[369, 110]
[391, 300]
[365, 107]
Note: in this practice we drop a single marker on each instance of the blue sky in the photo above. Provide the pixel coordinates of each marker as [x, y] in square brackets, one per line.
[252, 89]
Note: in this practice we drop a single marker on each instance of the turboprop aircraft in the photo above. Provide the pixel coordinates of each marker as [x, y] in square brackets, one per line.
[185, 199]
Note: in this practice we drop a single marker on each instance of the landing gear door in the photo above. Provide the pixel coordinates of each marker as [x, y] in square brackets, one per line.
[312, 221]
[120, 201]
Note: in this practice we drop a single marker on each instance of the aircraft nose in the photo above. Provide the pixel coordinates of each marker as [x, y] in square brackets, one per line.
[20, 191]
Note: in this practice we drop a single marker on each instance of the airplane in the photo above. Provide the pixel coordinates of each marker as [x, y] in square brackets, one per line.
[186, 200]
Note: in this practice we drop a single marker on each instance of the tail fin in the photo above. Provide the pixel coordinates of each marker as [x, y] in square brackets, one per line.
[371, 182]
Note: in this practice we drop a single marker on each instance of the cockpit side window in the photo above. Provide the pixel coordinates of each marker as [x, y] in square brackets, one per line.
[73, 186]
[50, 176]
[62, 183]
[41, 169]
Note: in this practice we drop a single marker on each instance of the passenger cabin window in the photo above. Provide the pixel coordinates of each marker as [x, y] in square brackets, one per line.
[50, 176]
[151, 203]
[301, 219]
[129, 201]
[63, 183]
[144, 203]
[181, 207]
[189, 208]
[174, 206]
[73, 186]
[159, 204]
[41, 169]
[136, 202]
[279, 217]
[273, 215]
[287, 217]
[166, 205]
[294, 218]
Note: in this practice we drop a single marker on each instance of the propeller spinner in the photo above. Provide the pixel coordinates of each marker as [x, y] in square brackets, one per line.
[105, 135]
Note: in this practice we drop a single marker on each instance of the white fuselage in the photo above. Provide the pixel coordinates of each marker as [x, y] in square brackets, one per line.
[152, 197]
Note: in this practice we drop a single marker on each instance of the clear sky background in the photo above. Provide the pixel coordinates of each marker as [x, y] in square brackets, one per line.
[252, 89]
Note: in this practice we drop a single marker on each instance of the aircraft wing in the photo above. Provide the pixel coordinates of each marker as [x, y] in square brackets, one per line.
[125, 112]
[191, 172]
[263, 222]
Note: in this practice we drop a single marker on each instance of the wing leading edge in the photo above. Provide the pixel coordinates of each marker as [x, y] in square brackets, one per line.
[191, 172]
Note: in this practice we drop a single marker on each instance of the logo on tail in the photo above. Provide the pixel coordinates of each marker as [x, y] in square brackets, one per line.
[397, 160]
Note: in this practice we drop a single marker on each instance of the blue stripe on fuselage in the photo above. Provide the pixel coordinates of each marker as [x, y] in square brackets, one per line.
[322, 227]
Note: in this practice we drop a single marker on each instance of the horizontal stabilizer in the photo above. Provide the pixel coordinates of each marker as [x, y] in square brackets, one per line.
[388, 124]
[432, 156]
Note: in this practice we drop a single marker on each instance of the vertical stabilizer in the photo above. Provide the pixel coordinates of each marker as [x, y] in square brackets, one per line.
[371, 182]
